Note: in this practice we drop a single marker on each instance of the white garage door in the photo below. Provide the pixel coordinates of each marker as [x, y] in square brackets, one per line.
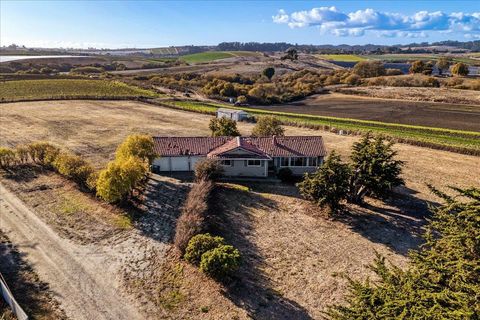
[193, 162]
[162, 163]
[180, 164]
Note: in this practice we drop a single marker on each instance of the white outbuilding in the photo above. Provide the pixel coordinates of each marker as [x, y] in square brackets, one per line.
[237, 115]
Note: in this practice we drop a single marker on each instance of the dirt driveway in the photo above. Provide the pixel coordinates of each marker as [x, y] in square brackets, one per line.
[79, 277]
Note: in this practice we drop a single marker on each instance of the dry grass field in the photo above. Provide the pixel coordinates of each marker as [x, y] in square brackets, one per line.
[294, 256]
[379, 106]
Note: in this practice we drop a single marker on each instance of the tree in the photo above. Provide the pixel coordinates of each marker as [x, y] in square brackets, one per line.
[137, 145]
[460, 69]
[43, 153]
[268, 72]
[208, 169]
[329, 185]
[291, 54]
[268, 126]
[417, 67]
[375, 171]
[443, 278]
[7, 157]
[428, 69]
[223, 127]
[368, 69]
[443, 64]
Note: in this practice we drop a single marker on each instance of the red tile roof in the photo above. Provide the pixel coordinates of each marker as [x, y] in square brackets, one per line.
[289, 146]
[235, 143]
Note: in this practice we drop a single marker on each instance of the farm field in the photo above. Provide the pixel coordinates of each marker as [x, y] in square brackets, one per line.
[456, 140]
[68, 89]
[441, 115]
[215, 55]
[416, 56]
[292, 252]
[342, 57]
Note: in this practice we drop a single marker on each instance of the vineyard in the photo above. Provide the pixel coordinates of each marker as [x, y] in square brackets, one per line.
[467, 142]
[25, 90]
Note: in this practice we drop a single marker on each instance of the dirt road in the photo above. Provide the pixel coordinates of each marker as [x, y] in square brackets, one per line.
[79, 276]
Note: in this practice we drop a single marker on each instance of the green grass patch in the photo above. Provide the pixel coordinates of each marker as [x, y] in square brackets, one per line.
[342, 57]
[71, 205]
[206, 56]
[453, 140]
[123, 222]
[23, 90]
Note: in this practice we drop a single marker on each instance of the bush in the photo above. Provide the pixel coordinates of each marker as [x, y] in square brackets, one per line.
[285, 175]
[73, 167]
[194, 212]
[208, 169]
[7, 157]
[460, 69]
[43, 153]
[220, 262]
[368, 69]
[417, 67]
[353, 80]
[22, 154]
[268, 126]
[200, 244]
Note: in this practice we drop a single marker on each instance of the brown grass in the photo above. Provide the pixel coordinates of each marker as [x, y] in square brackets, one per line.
[293, 254]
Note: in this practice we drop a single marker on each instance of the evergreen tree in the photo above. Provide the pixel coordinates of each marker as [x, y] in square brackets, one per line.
[329, 185]
[443, 279]
[375, 171]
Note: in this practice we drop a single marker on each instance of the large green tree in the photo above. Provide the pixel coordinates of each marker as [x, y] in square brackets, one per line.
[268, 126]
[442, 280]
[329, 185]
[375, 171]
[223, 127]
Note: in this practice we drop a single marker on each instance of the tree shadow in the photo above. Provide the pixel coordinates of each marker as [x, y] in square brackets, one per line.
[156, 210]
[24, 173]
[250, 288]
[397, 222]
[33, 295]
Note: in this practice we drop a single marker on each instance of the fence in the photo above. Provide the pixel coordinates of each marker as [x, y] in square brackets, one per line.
[10, 300]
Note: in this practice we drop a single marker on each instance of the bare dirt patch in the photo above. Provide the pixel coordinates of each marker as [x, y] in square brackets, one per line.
[418, 94]
[405, 111]
[33, 295]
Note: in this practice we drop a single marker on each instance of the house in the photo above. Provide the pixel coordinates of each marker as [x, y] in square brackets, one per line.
[237, 115]
[241, 156]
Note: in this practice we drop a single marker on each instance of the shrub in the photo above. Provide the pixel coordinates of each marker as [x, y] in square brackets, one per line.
[223, 127]
[137, 145]
[268, 126]
[22, 154]
[460, 69]
[200, 244]
[268, 72]
[443, 64]
[43, 153]
[73, 167]
[368, 69]
[221, 261]
[285, 175]
[194, 212]
[353, 79]
[417, 67]
[7, 157]
[87, 69]
[208, 169]
[242, 100]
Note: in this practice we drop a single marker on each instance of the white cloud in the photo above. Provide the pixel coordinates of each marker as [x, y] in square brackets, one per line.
[331, 20]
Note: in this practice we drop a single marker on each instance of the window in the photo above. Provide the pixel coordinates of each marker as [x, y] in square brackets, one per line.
[226, 163]
[284, 162]
[298, 162]
[254, 163]
[313, 162]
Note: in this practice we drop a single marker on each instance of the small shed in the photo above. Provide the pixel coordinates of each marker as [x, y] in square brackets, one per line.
[237, 115]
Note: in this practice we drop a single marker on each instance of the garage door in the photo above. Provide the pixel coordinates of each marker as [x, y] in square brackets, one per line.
[163, 163]
[180, 164]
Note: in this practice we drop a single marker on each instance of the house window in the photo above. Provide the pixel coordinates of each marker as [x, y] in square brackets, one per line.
[254, 163]
[313, 162]
[298, 162]
[284, 162]
[226, 163]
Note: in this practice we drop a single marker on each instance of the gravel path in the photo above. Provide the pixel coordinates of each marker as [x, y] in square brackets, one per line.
[82, 278]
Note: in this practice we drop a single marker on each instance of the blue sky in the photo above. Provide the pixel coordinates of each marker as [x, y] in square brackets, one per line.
[115, 24]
